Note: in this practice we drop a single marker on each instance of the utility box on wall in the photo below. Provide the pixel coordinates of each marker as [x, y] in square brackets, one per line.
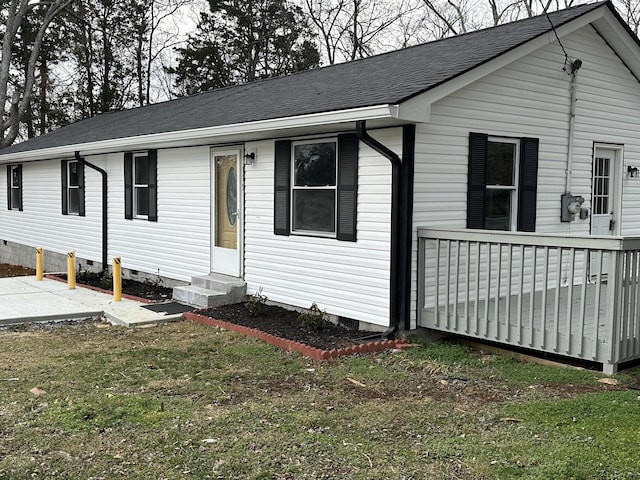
[570, 205]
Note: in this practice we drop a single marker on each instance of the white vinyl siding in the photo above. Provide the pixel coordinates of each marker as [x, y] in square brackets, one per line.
[349, 279]
[177, 246]
[531, 98]
[42, 224]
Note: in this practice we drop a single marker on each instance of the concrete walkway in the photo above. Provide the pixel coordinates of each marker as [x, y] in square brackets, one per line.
[24, 299]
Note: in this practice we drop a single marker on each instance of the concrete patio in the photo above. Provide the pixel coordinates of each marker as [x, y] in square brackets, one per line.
[24, 299]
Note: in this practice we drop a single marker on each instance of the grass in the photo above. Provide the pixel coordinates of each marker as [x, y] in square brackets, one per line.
[188, 401]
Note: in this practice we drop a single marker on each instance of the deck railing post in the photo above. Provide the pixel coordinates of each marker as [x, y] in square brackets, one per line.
[421, 279]
[614, 298]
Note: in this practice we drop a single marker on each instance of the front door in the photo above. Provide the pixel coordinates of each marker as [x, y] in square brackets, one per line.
[226, 218]
[603, 202]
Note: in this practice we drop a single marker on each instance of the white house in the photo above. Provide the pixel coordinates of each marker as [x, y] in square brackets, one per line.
[392, 191]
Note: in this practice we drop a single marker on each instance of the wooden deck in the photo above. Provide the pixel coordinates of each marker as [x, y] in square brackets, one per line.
[502, 288]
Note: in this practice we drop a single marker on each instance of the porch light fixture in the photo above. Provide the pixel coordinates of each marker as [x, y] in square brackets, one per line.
[632, 171]
[250, 158]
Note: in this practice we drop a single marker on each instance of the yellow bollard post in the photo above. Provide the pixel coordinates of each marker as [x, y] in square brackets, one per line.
[39, 264]
[117, 279]
[71, 269]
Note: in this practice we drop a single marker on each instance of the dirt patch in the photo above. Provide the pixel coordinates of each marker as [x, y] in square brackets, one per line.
[285, 323]
[7, 270]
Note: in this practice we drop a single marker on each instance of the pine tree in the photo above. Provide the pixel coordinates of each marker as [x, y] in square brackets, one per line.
[240, 41]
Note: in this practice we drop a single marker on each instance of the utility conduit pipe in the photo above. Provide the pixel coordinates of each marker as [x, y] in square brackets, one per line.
[573, 94]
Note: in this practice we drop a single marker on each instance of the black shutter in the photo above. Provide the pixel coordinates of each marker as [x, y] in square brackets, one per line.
[476, 181]
[19, 171]
[128, 185]
[282, 188]
[65, 200]
[347, 187]
[153, 185]
[9, 186]
[81, 210]
[528, 185]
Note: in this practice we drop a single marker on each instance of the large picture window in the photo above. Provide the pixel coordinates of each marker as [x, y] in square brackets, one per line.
[14, 187]
[140, 185]
[72, 188]
[502, 183]
[314, 187]
[315, 191]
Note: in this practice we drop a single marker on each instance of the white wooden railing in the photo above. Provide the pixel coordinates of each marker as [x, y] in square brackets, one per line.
[572, 296]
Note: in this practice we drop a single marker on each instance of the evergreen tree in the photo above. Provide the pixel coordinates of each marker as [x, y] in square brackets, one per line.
[240, 41]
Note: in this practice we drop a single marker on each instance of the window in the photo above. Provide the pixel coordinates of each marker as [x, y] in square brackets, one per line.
[140, 172]
[14, 187]
[501, 201]
[316, 187]
[72, 188]
[141, 186]
[502, 183]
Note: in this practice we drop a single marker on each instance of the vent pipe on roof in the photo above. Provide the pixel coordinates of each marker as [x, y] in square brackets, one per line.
[401, 222]
[105, 237]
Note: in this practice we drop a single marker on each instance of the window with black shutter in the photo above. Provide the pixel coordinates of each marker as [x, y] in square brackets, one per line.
[140, 185]
[502, 183]
[315, 191]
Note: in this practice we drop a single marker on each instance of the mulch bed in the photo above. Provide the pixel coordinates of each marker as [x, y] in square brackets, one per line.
[147, 291]
[282, 328]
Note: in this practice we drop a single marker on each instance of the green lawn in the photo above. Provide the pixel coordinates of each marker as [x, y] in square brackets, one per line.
[188, 401]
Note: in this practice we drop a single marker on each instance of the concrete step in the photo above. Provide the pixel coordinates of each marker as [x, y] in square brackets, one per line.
[218, 282]
[210, 291]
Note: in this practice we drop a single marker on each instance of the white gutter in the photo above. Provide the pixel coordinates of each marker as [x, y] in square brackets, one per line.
[185, 137]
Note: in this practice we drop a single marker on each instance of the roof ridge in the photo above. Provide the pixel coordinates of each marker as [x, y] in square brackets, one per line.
[261, 81]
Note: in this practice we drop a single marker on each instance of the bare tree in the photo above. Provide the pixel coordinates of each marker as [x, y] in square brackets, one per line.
[351, 29]
[630, 10]
[15, 98]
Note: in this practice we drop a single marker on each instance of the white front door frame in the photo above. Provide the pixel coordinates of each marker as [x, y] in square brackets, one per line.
[600, 219]
[227, 261]
[615, 193]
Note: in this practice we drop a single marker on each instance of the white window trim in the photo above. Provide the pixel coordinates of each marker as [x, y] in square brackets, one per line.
[513, 220]
[293, 187]
[72, 187]
[134, 200]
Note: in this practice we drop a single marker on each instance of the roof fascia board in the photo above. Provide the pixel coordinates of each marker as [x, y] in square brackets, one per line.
[187, 137]
[477, 73]
[414, 110]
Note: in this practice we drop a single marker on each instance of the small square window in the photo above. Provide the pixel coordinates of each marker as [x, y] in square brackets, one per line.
[314, 187]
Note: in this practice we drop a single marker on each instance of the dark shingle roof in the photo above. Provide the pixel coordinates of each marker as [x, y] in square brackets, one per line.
[389, 78]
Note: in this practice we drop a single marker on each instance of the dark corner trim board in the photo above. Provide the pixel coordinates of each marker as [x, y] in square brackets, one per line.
[401, 222]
